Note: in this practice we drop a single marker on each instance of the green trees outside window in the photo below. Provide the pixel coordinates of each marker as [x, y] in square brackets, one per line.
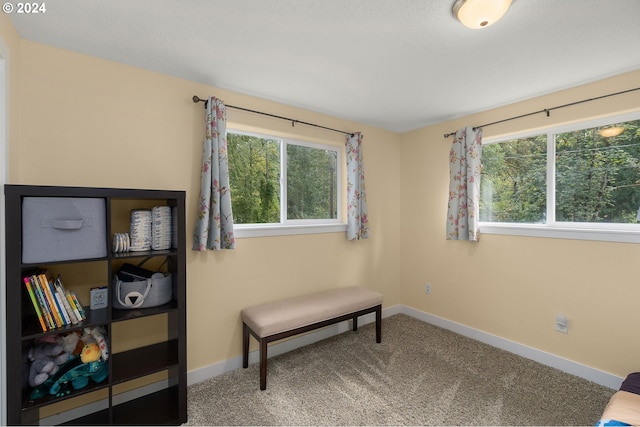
[513, 181]
[311, 183]
[254, 178]
[596, 177]
[258, 171]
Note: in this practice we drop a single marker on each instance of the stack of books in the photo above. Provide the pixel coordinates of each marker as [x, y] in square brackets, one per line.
[54, 305]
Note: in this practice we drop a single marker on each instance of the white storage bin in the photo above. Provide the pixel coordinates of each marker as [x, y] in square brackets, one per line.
[60, 228]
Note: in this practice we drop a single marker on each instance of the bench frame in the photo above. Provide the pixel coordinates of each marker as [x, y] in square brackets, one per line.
[263, 341]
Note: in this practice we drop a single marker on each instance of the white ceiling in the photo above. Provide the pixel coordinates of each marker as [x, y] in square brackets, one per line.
[394, 64]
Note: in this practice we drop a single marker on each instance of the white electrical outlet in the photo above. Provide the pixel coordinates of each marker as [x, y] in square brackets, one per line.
[562, 323]
[427, 288]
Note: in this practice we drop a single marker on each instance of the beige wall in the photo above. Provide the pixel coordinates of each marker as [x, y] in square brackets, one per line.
[9, 50]
[88, 122]
[513, 287]
[79, 120]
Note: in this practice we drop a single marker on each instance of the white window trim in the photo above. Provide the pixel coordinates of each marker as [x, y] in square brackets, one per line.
[271, 230]
[288, 227]
[621, 233]
[557, 232]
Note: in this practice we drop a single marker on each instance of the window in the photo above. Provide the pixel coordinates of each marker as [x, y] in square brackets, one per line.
[281, 184]
[575, 182]
[513, 182]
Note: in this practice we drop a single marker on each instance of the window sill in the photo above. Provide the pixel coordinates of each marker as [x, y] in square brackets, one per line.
[559, 232]
[246, 231]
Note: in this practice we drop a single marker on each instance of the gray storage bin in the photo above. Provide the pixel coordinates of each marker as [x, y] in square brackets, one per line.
[137, 287]
[60, 228]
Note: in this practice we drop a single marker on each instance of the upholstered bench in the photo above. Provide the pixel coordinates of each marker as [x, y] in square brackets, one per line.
[623, 408]
[291, 316]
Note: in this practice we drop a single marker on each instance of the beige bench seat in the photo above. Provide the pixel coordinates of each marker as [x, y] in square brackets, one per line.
[291, 316]
[624, 405]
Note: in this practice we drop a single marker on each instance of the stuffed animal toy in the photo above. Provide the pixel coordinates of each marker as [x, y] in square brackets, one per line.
[76, 375]
[98, 335]
[82, 357]
[72, 375]
[70, 343]
[45, 358]
[90, 353]
[95, 346]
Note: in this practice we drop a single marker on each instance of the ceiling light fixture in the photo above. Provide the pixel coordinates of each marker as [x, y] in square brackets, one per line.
[611, 131]
[480, 13]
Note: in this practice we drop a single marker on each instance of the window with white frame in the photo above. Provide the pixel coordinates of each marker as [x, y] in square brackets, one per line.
[282, 182]
[580, 181]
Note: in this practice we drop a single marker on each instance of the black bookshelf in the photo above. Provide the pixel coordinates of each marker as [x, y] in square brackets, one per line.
[168, 406]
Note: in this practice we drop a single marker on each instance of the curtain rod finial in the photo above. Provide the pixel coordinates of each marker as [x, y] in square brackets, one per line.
[197, 99]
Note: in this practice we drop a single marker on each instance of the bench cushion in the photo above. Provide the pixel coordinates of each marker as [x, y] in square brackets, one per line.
[623, 406]
[291, 313]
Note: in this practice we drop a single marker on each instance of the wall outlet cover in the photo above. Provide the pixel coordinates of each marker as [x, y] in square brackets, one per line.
[562, 324]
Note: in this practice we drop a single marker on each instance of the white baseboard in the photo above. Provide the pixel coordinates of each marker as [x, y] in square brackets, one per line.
[565, 365]
[574, 368]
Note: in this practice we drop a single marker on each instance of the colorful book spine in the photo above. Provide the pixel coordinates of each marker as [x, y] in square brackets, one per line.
[52, 303]
[83, 314]
[44, 305]
[35, 303]
[59, 287]
[59, 304]
[73, 306]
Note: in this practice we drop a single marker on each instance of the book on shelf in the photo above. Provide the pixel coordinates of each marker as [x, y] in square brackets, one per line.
[73, 306]
[61, 308]
[44, 305]
[44, 284]
[54, 305]
[60, 292]
[36, 305]
[77, 304]
[60, 317]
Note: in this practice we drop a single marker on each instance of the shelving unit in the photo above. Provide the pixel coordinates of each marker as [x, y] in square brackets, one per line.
[148, 357]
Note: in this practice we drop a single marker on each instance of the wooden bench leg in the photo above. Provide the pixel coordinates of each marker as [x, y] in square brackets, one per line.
[263, 364]
[247, 332]
[379, 324]
[245, 345]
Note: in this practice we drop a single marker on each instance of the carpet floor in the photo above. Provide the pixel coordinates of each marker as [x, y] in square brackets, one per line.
[419, 375]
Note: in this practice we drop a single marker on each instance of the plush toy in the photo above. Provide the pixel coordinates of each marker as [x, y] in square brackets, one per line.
[45, 358]
[70, 343]
[102, 343]
[90, 353]
[77, 376]
[72, 375]
[63, 362]
[94, 336]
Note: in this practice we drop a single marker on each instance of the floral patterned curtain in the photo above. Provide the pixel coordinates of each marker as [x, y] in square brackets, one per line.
[214, 225]
[357, 221]
[464, 185]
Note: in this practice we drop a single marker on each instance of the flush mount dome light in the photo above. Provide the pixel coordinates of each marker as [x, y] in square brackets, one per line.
[611, 131]
[479, 13]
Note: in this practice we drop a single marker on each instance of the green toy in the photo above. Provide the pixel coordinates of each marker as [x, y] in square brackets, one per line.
[72, 374]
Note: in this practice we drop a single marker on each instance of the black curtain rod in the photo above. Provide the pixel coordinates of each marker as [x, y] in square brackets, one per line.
[548, 110]
[197, 99]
